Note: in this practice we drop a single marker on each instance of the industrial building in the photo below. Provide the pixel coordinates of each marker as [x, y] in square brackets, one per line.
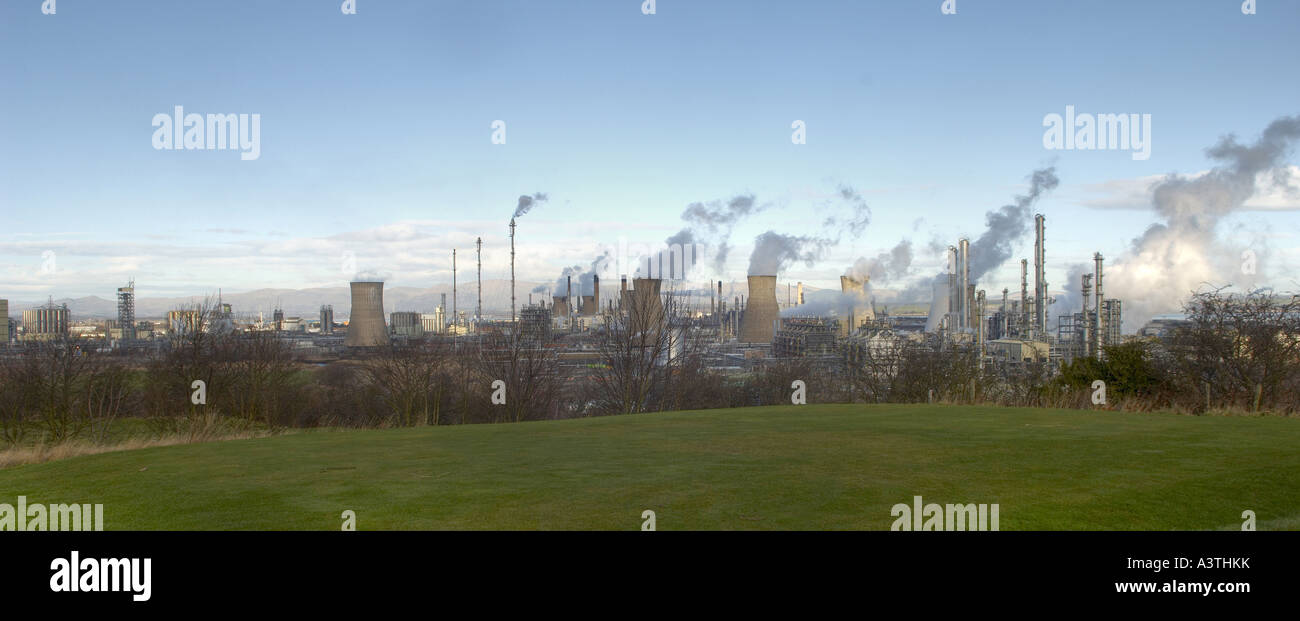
[327, 319]
[1097, 325]
[406, 325]
[5, 327]
[535, 323]
[800, 337]
[184, 321]
[126, 311]
[46, 322]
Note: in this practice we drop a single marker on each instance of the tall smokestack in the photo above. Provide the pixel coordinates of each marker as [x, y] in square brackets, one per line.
[799, 295]
[953, 303]
[478, 311]
[1023, 320]
[366, 318]
[1040, 275]
[454, 316]
[512, 270]
[1086, 288]
[761, 311]
[1003, 330]
[964, 274]
[595, 294]
[1100, 331]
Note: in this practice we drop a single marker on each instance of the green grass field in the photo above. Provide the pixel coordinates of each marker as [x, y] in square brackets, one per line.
[808, 467]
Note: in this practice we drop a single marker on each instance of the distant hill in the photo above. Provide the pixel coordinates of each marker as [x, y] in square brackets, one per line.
[307, 302]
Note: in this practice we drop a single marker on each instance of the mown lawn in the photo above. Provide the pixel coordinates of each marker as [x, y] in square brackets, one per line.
[807, 467]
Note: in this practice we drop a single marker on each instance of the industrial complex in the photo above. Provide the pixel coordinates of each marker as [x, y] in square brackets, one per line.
[752, 327]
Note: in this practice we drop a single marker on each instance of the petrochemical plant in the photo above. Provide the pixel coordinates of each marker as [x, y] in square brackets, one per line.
[734, 328]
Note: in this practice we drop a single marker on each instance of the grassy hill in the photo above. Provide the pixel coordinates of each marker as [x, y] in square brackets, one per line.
[807, 467]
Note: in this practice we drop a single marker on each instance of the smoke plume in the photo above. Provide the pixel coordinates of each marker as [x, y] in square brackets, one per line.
[526, 203]
[712, 223]
[884, 267]
[1178, 255]
[1008, 225]
[859, 214]
[1004, 227]
[583, 278]
[773, 252]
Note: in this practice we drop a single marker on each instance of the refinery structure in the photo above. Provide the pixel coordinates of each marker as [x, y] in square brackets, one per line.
[734, 328]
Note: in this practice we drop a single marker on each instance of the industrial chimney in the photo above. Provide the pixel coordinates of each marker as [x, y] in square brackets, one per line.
[1022, 321]
[512, 270]
[954, 305]
[366, 322]
[1099, 332]
[1040, 277]
[1086, 289]
[963, 274]
[760, 311]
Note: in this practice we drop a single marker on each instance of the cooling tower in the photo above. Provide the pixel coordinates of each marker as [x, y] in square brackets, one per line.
[761, 312]
[857, 308]
[366, 323]
[559, 306]
[646, 308]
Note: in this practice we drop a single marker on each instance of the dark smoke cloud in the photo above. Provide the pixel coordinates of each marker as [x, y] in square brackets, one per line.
[1008, 225]
[526, 203]
[712, 223]
[773, 252]
[583, 278]
[719, 216]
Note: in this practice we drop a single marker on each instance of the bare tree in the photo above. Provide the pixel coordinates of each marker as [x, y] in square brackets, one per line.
[636, 347]
[410, 381]
[527, 368]
[1245, 347]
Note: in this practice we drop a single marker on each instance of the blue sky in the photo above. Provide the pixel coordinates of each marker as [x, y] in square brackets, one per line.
[375, 129]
